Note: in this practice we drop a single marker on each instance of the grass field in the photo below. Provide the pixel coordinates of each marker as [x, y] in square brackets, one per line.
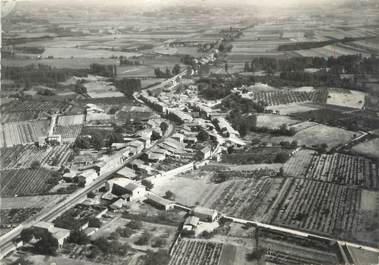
[273, 121]
[350, 99]
[369, 148]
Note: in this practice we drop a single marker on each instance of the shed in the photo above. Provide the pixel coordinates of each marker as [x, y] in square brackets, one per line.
[204, 214]
[160, 202]
[191, 223]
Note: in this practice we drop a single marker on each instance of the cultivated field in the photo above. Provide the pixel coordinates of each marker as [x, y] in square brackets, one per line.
[71, 120]
[273, 98]
[68, 133]
[23, 182]
[18, 116]
[291, 108]
[320, 206]
[335, 168]
[99, 88]
[33, 105]
[196, 252]
[21, 156]
[15, 133]
[249, 198]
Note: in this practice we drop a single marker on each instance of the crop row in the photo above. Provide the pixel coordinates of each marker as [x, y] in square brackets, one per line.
[336, 168]
[21, 156]
[24, 132]
[242, 198]
[272, 98]
[39, 106]
[320, 206]
[195, 252]
[24, 182]
[18, 116]
[68, 132]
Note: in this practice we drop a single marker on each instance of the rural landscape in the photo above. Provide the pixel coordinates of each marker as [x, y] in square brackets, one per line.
[189, 132]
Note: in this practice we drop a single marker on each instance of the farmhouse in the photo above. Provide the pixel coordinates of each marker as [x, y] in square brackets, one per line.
[204, 214]
[205, 153]
[126, 188]
[191, 223]
[117, 204]
[59, 233]
[69, 177]
[159, 202]
[126, 173]
[89, 175]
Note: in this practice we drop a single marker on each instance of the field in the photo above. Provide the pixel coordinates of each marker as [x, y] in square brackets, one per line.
[71, 120]
[257, 155]
[273, 98]
[273, 121]
[320, 206]
[357, 120]
[23, 182]
[249, 198]
[99, 88]
[18, 116]
[286, 109]
[318, 134]
[16, 216]
[369, 148]
[347, 98]
[34, 105]
[29, 201]
[335, 168]
[15, 133]
[196, 252]
[21, 156]
[68, 133]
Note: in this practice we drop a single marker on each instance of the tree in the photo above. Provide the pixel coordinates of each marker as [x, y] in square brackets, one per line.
[97, 140]
[47, 244]
[160, 257]
[143, 239]
[79, 237]
[94, 222]
[159, 242]
[281, 157]
[169, 195]
[246, 67]
[147, 183]
[257, 254]
[26, 235]
[135, 224]
[203, 136]
[176, 69]
[35, 164]
[82, 182]
[164, 126]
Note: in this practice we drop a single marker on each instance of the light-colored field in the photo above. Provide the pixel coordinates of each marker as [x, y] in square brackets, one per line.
[350, 99]
[75, 63]
[29, 202]
[295, 107]
[273, 121]
[319, 134]
[71, 120]
[369, 200]
[24, 132]
[84, 53]
[369, 148]
[99, 88]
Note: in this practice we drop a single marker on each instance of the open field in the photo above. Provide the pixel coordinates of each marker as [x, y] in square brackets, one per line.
[15, 133]
[23, 182]
[97, 87]
[291, 108]
[369, 148]
[71, 120]
[21, 156]
[348, 98]
[29, 201]
[271, 121]
[318, 134]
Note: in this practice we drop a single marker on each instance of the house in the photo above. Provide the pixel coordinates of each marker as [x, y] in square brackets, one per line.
[191, 223]
[70, 177]
[89, 175]
[118, 146]
[58, 233]
[156, 157]
[132, 190]
[205, 153]
[178, 137]
[204, 214]
[139, 165]
[159, 202]
[117, 204]
[126, 173]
